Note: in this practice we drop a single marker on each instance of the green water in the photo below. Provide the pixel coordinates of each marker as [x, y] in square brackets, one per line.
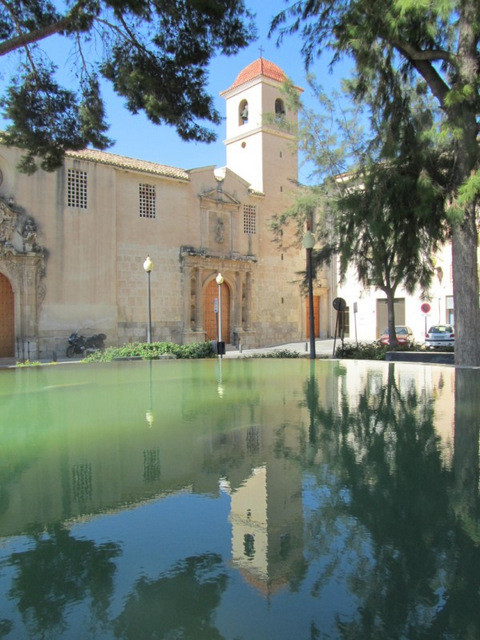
[240, 500]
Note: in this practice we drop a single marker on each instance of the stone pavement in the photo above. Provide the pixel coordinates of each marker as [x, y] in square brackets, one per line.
[323, 348]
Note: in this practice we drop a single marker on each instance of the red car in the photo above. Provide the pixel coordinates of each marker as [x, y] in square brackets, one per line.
[404, 335]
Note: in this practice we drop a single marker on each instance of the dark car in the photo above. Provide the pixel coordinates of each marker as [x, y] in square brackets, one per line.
[440, 335]
[404, 335]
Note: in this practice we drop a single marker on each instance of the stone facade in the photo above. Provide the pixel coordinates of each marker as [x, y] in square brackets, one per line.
[73, 242]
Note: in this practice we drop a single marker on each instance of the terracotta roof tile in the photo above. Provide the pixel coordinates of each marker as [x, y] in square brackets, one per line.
[260, 67]
[102, 157]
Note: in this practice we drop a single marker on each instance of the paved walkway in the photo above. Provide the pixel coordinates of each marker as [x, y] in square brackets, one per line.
[322, 348]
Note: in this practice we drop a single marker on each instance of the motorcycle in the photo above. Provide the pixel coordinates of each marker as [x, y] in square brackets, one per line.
[82, 345]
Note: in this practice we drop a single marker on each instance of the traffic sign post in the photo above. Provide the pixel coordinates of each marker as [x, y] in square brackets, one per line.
[425, 309]
[339, 304]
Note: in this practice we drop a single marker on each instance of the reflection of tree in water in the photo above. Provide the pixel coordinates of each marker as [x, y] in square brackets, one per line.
[179, 604]
[19, 449]
[57, 572]
[418, 572]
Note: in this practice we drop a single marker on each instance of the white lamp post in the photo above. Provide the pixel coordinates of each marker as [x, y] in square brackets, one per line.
[308, 243]
[148, 266]
[219, 280]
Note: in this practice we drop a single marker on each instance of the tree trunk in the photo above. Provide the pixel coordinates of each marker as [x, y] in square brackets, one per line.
[462, 116]
[465, 287]
[391, 317]
[465, 460]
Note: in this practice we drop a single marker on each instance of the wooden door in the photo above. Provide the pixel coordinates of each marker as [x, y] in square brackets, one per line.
[7, 325]
[211, 317]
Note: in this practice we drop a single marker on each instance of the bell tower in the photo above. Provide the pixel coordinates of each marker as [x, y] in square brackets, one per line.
[260, 148]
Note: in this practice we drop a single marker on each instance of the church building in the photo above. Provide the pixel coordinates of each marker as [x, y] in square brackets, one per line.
[73, 242]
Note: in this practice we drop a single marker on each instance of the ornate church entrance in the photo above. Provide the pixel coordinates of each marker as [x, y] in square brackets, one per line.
[211, 308]
[7, 324]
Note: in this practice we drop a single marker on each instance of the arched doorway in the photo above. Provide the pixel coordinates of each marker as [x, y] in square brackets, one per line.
[210, 314]
[7, 319]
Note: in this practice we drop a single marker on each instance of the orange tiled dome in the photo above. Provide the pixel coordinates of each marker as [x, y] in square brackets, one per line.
[260, 67]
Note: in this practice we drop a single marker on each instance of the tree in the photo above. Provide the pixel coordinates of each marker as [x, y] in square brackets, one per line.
[154, 53]
[413, 538]
[438, 42]
[381, 228]
[384, 217]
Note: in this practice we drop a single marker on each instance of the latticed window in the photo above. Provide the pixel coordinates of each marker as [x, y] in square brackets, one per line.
[146, 193]
[77, 188]
[249, 218]
[82, 485]
[151, 465]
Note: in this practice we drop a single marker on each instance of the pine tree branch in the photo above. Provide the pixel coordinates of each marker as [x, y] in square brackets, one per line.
[422, 61]
[24, 39]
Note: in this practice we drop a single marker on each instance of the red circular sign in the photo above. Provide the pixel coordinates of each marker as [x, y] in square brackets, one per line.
[425, 307]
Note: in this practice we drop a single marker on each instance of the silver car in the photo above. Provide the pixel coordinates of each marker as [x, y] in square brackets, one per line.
[440, 335]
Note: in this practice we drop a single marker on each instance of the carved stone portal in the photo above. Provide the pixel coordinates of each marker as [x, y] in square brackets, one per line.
[22, 262]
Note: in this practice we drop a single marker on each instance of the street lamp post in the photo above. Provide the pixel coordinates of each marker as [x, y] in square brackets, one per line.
[148, 266]
[220, 349]
[308, 243]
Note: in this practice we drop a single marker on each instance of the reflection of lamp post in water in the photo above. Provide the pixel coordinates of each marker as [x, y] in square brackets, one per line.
[148, 266]
[308, 242]
[220, 387]
[220, 346]
[149, 413]
[312, 404]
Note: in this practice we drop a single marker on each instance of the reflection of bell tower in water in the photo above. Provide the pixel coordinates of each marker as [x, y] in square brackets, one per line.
[266, 506]
[266, 514]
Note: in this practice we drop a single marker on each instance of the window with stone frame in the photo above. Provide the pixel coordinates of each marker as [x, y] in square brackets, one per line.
[77, 188]
[249, 219]
[147, 201]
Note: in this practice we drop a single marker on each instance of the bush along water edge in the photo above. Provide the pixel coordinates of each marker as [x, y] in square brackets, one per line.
[152, 351]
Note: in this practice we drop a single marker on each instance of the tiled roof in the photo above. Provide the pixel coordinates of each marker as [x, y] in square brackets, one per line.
[102, 157]
[260, 67]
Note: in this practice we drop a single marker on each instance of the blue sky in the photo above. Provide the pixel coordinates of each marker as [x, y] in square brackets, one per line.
[136, 137]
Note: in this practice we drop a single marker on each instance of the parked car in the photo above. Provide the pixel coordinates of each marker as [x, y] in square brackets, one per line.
[440, 335]
[404, 335]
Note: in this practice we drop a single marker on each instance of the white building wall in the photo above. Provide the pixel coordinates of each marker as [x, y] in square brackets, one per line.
[364, 325]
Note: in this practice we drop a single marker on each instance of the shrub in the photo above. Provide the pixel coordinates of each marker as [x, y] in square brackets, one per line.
[370, 350]
[152, 351]
[31, 363]
[278, 353]
[362, 351]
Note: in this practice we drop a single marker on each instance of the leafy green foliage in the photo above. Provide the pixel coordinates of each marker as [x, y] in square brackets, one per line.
[469, 192]
[362, 351]
[31, 363]
[277, 353]
[156, 55]
[438, 44]
[384, 218]
[371, 350]
[42, 107]
[153, 351]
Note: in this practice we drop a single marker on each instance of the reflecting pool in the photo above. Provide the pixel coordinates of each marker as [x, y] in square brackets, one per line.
[240, 500]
